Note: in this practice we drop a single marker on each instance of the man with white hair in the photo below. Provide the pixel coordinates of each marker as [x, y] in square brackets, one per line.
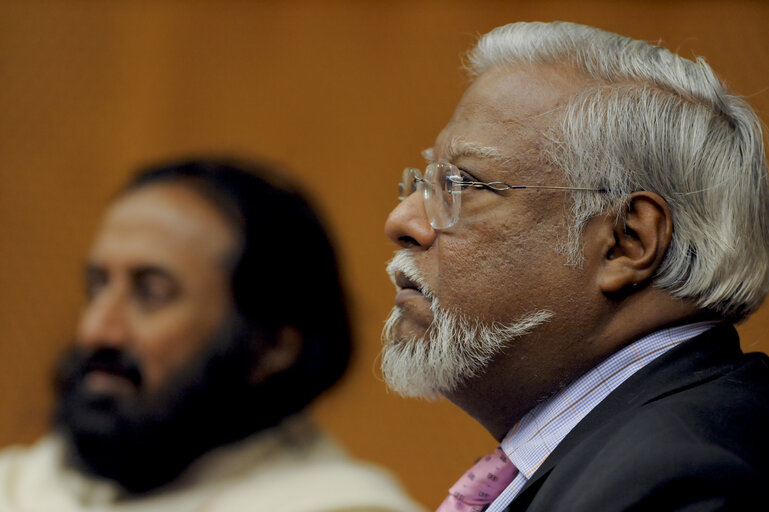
[614, 224]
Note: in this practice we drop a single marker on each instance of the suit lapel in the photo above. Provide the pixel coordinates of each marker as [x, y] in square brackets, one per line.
[700, 359]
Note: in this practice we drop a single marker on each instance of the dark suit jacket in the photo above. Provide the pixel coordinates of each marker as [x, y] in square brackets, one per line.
[690, 431]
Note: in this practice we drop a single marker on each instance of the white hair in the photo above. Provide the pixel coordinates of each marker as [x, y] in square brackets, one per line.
[652, 120]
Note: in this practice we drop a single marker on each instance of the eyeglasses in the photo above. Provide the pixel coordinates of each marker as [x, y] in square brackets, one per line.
[442, 187]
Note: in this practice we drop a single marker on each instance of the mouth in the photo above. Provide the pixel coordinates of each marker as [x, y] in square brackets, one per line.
[404, 283]
[407, 289]
[412, 291]
[109, 379]
[105, 383]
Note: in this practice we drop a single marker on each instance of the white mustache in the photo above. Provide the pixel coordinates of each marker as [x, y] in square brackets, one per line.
[403, 263]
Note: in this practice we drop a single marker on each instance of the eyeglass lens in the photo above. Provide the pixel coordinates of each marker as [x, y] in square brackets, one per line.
[408, 185]
[440, 194]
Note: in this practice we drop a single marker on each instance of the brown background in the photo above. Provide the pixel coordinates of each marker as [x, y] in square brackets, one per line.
[344, 93]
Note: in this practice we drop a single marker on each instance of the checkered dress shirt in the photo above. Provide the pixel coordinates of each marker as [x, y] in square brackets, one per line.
[533, 438]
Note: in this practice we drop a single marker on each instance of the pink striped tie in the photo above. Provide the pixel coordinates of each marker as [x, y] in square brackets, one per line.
[481, 484]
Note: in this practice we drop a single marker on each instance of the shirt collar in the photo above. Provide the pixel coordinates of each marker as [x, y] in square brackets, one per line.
[537, 434]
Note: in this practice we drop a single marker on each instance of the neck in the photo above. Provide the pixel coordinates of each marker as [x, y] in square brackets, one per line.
[537, 366]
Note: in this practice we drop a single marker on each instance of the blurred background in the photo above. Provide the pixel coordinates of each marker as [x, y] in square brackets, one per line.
[344, 94]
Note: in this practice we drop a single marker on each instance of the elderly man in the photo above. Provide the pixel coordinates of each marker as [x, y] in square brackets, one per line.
[214, 316]
[591, 222]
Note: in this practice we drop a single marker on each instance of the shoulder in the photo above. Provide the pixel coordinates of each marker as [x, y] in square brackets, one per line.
[662, 463]
[36, 478]
[21, 460]
[703, 446]
[320, 477]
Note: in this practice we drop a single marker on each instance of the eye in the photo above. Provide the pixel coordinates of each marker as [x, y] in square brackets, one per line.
[152, 289]
[463, 177]
[466, 176]
[95, 281]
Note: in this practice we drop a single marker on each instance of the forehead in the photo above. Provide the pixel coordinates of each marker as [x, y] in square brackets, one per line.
[164, 224]
[506, 109]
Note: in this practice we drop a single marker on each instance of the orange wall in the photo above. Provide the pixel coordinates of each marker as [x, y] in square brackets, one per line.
[344, 93]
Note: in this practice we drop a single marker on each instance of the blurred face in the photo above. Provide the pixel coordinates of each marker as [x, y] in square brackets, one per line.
[464, 293]
[159, 346]
[158, 286]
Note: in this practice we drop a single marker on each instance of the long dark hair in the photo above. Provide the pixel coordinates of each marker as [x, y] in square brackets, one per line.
[286, 273]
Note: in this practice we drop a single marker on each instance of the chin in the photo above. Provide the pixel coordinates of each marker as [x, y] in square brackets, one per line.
[408, 365]
[453, 351]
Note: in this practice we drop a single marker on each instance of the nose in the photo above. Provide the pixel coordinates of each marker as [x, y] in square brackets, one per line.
[408, 225]
[104, 322]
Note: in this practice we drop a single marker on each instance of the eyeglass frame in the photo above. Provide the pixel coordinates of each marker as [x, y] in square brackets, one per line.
[413, 177]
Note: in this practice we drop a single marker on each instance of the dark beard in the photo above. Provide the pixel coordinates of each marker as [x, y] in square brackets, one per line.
[145, 440]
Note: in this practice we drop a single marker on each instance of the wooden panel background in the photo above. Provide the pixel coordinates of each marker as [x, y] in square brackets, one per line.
[344, 93]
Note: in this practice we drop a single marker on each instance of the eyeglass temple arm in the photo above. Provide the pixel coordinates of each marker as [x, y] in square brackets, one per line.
[501, 185]
[558, 188]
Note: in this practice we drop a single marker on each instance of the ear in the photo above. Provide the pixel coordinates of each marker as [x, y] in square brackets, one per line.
[280, 355]
[634, 248]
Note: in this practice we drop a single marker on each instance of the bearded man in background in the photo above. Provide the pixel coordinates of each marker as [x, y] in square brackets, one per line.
[214, 317]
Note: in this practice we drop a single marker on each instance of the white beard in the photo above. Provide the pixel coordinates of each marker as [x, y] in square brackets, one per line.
[457, 348]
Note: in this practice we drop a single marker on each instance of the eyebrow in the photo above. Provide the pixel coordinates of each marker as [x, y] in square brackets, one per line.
[153, 271]
[459, 147]
[92, 268]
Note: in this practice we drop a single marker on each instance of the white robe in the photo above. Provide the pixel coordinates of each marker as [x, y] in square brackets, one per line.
[291, 468]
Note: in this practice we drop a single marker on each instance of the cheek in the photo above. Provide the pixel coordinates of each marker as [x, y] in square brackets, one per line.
[499, 274]
[172, 338]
